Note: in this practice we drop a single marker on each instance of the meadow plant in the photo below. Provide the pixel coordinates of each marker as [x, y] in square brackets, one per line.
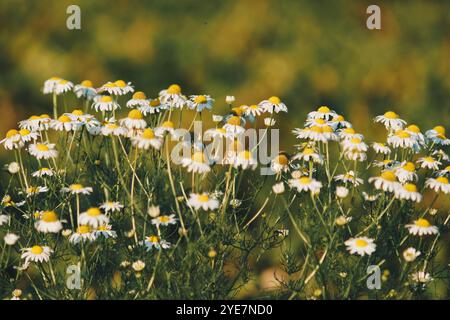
[109, 203]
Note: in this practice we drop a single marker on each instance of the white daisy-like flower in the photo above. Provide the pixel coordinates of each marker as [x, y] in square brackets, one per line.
[134, 120]
[32, 191]
[84, 233]
[200, 102]
[444, 171]
[361, 246]
[164, 220]
[63, 86]
[78, 115]
[27, 135]
[245, 160]
[429, 163]
[410, 254]
[138, 266]
[441, 155]
[85, 90]
[349, 133]
[273, 104]
[156, 242]
[104, 103]
[408, 191]
[380, 147]
[280, 163]
[50, 85]
[173, 96]
[322, 112]
[11, 238]
[93, 217]
[278, 188]
[437, 136]
[8, 202]
[406, 172]
[305, 184]
[139, 99]
[349, 177]
[77, 188]
[318, 122]
[438, 184]
[387, 164]
[387, 181]
[203, 201]
[234, 125]
[253, 110]
[12, 140]
[354, 145]
[422, 227]
[43, 150]
[36, 123]
[197, 163]
[49, 223]
[13, 167]
[339, 122]
[341, 192]
[106, 231]
[269, 122]
[391, 121]
[64, 123]
[309, 154]
[403, 139]
[146, 139]
[36, 254]
[370, 197]
[216, 133]
[355, 156]
[4, 219]
[117, 88]
[414, 130]
[111, 206]
[165, 127]
[421, 277]
[112, 128]
[153, 106]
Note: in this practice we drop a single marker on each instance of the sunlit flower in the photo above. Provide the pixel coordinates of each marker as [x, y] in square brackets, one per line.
[429, 163]
[273, 104]
[349, 177]
[85, 90]
[354, 144]
[253, 110]
[173, 96]
[349, 133]
[391, 121]
[164, 220]
[322, 112]
[106, 231]
[438, 184]
[437, 136]
[36, 123]
[117, 88]
[234, 125]
[309, 154]
[156, 242]
[77, 189]
[104, 103]
[197, 163]
[200, 102]
[217, 133]
[11, 238]
[360, 246]
[339, 122]
[12, 140]
[64, 123]
[387, 181]
[111, 206]
[371, 197]
[27, 135]
[165, 127]
[355, 155]
[203, 200]
[146, 139]
[410, 254]
[387, 164]
[43, 150]
[421, 277]
[408, 192]
[280, 163]
[406, 172]
[83, 233]
[318, 122]
[63, 86]
[444, 171]
[134, 120]
[414, 130]
[403, 139]
[139, 99]
[50, 85]
[422, 227]
[49, 223]
[36, 254]
[245, 160]
[31, 191]
[305, 184]
[381, 148]
[153, 106]
[93, 217]
[112, 128]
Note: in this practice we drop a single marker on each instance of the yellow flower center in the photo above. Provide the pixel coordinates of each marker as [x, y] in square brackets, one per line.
[135, 114]
[349, 131]
[49, 216]
[361, 243]
[409, 166]
[391, 115]
[37, 250]
[87, 83]
[439, 129]
[44, 116]
[388, 175]
[198, 156]
[148, 134]
[410, 187]
[164, 218]
[93, 212]
[174, 89]
[422, 223]
[77, 112]
[413, 128]
[155, 103]
[323, 109]
[106, 99]
[238, 110]
[304, 180]
[316, 129]
[76, 186]
[443, 180]
[24, 132]
[112, 126]
[34, 118]
[447, 168]
[11, 133]
[63, 82]
[120, 83]
[42, 147]
[339, 118]
[32, 189]
[102, 228]
[245, 154]
[282, 159]
[308, 151]
[64, 118]
[200, 99]
[139, 95]
[428, 159]
[153, 239]
[203, 198]
[274, 100]
[320, 121]
[168, 124]
[355, 140]
[83, 229]
[234, 121]
[221, 130]
[326, 129]
[402, 134]
[254, 107]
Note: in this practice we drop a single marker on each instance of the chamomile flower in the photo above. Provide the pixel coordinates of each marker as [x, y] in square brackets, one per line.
[421, 277]
[36, 253]
[77, 188]
[85, 90]
[84, 233]
[112, 128]
[370, 197]
[309, 154]
[245, 160]
[164, 220]
[134, 120]
[360, 246]
[139, 99]
[11, 239]
[93, 217]
[117, 88]
[106, 231]
[173, 96]
[64, 123]
[43, 150]
[78, 115]
[273, 104]
[349, 177]
[411, 254]
[156, 242]
[234, 125]
[354, 145]
[49, 223]
[339, 122]
[341, 192]
[406, 172]
[349, 133]
[27, 135]
[381, 148]
[197, 163]
[36, 123]
[50, 84]
[32, 191]
[429, 163]
[146, 139]
[408, 191]
[216, 133]
[305, 184]
[200, 102]
[203, 201]
[438, 184]
[105, 103]
[414, 130]
[165, 127]
[391, 121]
[12, 140]
[319, 122]
[437, 136]
[63, 86]
[111, 206]
[153, 106]
[444, 172]
[4, 219]
[280, 163]
[322, 112]
[253, 110]
[387, 181]
[355, 155]
[422, 227]
[403, 139]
